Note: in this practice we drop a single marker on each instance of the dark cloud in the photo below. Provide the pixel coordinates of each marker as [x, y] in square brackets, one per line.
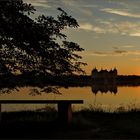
[96, 52]
[116, 48]
[120, 51]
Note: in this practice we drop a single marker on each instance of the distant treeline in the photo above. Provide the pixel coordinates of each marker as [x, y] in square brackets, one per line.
[133, 80]
[43, 80]
[66, 81]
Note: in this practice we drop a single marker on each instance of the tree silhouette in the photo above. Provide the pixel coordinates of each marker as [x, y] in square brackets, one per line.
[36, 46]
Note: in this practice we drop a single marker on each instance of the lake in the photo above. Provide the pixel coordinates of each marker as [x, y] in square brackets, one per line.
[128, 97]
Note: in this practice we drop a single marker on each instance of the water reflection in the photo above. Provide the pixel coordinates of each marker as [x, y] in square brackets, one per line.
[104, 88]
[125, 96]
[127, 89]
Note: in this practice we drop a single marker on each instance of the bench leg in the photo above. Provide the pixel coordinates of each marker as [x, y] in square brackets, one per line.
[64, 113]
[0, 114]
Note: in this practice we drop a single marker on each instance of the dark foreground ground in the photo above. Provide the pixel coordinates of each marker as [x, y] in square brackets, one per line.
[86, 124]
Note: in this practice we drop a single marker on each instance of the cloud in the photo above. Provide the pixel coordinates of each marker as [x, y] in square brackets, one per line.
[115, 48]
[69, 2]
[126, 26]
[86, 26]
[103, 27]
[125, 46]
[137, 34]
[39, 3]
[120, 12]
[120, 51]
[128, 46]
[134, 52]
[91, 27]
[135, 59]
[86, 12]
[122, 28]
[106, 54]
[90, 6]
[99, 53]
[77, 6]
[113, 53]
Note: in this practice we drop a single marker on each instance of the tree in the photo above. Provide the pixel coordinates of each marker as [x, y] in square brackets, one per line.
[37, 46]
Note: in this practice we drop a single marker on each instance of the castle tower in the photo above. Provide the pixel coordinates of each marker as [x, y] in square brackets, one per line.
[94, 73]
[115, 73]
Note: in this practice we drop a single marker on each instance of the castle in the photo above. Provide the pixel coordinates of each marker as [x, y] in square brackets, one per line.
[104, 76]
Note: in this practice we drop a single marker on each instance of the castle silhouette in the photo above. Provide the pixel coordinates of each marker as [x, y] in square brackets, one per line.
[104, 76]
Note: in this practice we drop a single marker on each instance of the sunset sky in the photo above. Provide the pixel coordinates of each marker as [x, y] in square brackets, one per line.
[109, 31]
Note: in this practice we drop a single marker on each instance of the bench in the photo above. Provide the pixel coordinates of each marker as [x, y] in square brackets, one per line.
[64, 107]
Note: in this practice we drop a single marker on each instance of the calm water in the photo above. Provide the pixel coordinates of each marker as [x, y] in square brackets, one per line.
[125, 96]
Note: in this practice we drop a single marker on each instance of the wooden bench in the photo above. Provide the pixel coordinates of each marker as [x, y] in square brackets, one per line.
[64, 107]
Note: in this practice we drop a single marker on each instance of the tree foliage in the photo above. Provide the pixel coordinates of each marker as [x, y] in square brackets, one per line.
[39, 45]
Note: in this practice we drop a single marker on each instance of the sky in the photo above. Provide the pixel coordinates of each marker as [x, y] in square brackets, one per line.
[109, 31]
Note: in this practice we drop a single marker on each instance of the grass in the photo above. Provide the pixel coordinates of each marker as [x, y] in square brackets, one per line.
[89, 123]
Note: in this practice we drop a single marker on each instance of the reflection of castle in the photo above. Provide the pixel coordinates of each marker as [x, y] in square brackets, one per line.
[104, 88]
[104, 76]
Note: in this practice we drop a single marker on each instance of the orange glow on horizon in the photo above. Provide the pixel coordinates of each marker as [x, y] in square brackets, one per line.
[121, 70]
